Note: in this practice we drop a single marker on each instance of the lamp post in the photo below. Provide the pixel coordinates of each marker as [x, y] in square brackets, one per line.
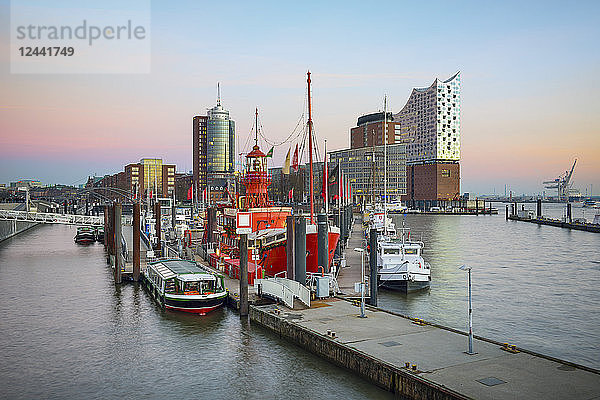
[470, 352]
[362, 281]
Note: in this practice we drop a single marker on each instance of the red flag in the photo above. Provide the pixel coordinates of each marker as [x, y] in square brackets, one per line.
[190, 192]
[291, 194]
[295, 160]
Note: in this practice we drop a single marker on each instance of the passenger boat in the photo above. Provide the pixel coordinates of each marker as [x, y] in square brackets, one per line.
[183, 285]
[85, 235]
[400, 265]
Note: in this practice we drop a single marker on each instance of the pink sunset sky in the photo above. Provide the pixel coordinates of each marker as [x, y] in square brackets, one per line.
[530, 87]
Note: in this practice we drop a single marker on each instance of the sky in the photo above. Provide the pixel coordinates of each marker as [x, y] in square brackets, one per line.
[529, 70]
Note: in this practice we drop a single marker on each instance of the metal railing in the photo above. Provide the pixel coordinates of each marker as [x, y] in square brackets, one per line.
[275, 289]
[51, 218]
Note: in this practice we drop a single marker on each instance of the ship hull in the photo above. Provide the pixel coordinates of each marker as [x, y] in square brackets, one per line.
[274, 260]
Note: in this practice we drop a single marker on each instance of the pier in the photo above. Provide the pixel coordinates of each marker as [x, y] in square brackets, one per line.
[524, 215]
[413, 358]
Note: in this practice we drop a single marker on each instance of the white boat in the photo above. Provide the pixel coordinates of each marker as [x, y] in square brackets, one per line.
[396, 208]
[400, 265]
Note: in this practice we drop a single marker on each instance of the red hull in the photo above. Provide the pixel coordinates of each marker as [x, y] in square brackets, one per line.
[274, 260]
[201, 311]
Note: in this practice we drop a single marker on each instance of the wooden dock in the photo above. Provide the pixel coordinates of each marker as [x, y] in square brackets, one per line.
[558, 223]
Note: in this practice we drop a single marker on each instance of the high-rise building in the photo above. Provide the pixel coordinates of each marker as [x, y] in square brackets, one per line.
[214, 148]
[429, 125]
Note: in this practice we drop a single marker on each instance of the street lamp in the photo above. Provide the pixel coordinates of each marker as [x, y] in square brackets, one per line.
[362, 283]
[468, 269]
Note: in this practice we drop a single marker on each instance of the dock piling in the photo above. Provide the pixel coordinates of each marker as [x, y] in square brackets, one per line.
[119, 262]
[136, 241]
[322, 242]
[373, 267]
[157, 248]
[243, 246]
[300, 250]
[289, 246]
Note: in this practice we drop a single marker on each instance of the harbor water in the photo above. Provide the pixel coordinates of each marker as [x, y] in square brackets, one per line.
[533, 286]
[68, 332]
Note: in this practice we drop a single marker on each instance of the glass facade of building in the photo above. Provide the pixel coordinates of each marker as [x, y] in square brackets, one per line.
[430, 122]
[367, 176]
[220, 137]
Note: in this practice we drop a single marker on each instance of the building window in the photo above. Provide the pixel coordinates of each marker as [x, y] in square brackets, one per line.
[446, 173]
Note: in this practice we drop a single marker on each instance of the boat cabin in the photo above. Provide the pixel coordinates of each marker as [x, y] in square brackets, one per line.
[183, 278]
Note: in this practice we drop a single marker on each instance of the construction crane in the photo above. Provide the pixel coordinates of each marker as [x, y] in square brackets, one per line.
[562, 184]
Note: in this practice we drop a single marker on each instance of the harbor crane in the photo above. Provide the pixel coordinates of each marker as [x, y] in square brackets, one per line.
[562, 184]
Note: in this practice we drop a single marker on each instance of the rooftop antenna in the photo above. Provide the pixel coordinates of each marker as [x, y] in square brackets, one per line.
[218, 93]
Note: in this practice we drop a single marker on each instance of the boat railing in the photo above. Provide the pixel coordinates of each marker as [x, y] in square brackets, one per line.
[282, 274]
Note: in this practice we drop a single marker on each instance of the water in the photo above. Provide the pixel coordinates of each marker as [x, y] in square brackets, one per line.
[68, 332]
[533, 286]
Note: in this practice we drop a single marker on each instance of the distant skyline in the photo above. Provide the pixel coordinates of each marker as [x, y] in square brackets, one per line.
[530, 86]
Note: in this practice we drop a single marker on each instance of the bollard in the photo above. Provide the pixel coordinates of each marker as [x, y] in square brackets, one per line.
[243, 246]
[300, 250]
[373, 282]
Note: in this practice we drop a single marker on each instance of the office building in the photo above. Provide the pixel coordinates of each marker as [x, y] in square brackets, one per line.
[214, 150]
[364, 167]
[369, 131]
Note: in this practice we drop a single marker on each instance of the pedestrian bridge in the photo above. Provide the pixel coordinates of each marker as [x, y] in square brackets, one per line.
[51, 218]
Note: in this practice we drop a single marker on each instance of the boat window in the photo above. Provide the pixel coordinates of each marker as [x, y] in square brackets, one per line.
[391, 251]
[191, 287]
[170, 286]
[280, 236]
[410, 251]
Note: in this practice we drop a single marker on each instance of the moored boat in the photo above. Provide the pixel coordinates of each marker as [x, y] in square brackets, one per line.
[400, 264]
[85, 235]
[183, 285]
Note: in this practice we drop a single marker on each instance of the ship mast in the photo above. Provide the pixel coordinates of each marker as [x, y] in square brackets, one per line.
[256, 132]
[385, 164]
[312, 206]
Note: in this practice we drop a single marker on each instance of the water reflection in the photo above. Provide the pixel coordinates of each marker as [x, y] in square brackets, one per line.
[532, 285]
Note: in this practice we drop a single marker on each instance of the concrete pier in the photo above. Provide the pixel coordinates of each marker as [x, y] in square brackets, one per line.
[380, 346]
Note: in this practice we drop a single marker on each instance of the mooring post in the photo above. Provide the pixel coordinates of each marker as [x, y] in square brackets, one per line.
[373, 266]
[336, 222]
[136, 241]
[300, 250]
[322, 242]
[539, 208]
[506, 212]
[243, 275]
[476, 206]
[289, 246]
[569, 215]
[158, 247]
[105, 240]
[112, 230]
[119, 262]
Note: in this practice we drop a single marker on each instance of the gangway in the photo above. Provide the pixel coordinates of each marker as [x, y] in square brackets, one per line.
[51, 218]
[284, 289]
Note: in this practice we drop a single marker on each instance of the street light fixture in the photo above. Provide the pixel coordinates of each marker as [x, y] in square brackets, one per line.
[468, 269]
[362, 283]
